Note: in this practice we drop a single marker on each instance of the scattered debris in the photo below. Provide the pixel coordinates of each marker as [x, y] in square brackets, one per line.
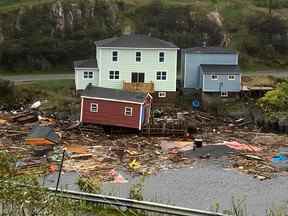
[94, 153]
[40, 135]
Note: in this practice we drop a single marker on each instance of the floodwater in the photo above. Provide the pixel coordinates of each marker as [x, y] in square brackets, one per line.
[200, 187]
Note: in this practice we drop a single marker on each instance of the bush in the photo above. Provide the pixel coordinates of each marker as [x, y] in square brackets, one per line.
[275, 100]
[7, 93]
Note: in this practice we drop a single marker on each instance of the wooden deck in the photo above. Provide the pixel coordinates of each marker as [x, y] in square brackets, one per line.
[139, 87]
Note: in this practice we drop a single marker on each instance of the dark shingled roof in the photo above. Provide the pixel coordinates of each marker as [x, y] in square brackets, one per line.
[135, 41]
[44, 132]
[88, 63]
[108, 93]
[220, 69]
[210, 50]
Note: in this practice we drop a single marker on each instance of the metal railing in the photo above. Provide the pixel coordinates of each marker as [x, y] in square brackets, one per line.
[133, 204]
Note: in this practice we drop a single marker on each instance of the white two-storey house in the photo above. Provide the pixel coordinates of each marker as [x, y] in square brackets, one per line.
[130, 62]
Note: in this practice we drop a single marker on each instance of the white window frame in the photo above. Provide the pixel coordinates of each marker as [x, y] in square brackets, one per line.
[128, 111]
[213, 76]
[88, 75]
[161, 75]
[162, 94]
[113, 74]
[138, 57]
[229, 77]
[224, 93]
[94, 107]
[115, 56]
[161, 57]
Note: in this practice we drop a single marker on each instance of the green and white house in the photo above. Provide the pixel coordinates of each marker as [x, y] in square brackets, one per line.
[130, 60]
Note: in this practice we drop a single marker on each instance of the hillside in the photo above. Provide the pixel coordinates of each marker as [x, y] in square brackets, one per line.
[43, 34]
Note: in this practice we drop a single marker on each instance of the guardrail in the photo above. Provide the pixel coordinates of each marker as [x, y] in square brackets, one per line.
[133, 204]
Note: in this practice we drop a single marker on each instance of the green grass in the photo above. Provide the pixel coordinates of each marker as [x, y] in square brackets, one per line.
[58, 70]
[9, 5]
[52, 86]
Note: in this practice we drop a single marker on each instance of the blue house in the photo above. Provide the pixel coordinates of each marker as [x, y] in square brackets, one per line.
[211, 69]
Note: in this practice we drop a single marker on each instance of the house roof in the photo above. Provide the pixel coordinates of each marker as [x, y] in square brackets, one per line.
[210, 50]
[43, 132]
[87, 63]
[135, 41]
[113, 94]
[220, 69]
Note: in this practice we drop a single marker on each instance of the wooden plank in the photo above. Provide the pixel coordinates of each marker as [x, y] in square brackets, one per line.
[38, 141]
[139, 87]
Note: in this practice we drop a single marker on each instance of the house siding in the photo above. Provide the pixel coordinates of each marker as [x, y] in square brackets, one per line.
[221, 84]
[82, 83]
[111, 113]
[192, 62]
[127, 64]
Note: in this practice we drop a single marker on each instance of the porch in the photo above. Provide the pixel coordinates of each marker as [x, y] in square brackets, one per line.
[138, 87]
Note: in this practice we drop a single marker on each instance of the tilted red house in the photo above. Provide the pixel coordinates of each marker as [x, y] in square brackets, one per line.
[114, 107]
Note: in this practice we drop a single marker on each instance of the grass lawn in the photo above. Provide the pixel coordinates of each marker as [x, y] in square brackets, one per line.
[58, 94]
[35, 72]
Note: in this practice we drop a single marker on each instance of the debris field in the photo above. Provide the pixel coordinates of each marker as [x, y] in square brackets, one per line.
[93, 152]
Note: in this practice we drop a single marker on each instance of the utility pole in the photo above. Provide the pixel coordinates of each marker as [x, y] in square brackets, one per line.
[270, 7]
[60, 170]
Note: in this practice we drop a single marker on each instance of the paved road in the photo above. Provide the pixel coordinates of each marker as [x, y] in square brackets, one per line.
[201, 186]
[198, 187]
[28, 78]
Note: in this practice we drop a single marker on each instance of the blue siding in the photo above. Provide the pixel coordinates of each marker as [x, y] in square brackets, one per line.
[192, 62]
[221, 84]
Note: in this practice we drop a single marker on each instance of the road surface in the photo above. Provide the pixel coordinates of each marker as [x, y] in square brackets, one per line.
[28, 78]
[198, 187]
[37, 77]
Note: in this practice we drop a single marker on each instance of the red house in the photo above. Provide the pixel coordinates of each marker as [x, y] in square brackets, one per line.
[114, 107]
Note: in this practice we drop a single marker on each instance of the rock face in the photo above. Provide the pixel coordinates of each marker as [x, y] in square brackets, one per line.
[61, 31]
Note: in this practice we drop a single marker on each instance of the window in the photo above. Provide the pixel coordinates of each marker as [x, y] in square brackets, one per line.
[214, 77]
[93, 107]
[114, 56]
[88, 75]
[231, 77]
[128, 111]
[161, 94]
[114, 75]
[224, 94]
[161, 57]
[138, 56]
[137, 77]
[161, 75]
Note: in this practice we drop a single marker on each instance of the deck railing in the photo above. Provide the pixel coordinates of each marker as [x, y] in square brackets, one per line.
[139, 87]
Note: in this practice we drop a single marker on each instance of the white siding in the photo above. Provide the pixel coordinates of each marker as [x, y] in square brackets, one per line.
[127, 64]
[82, 83]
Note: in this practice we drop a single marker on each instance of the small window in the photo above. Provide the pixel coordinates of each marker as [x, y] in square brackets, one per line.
[94, 107]
[224, 94]
[88, 75]
[161, 75]
[138, 56]
[114, 56]
[162, 94]
[114, 75]
[128, 111]
[161, 57]
[231, 77]
[214, 77]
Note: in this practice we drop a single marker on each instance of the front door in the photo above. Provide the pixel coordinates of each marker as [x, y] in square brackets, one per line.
[137, 77]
